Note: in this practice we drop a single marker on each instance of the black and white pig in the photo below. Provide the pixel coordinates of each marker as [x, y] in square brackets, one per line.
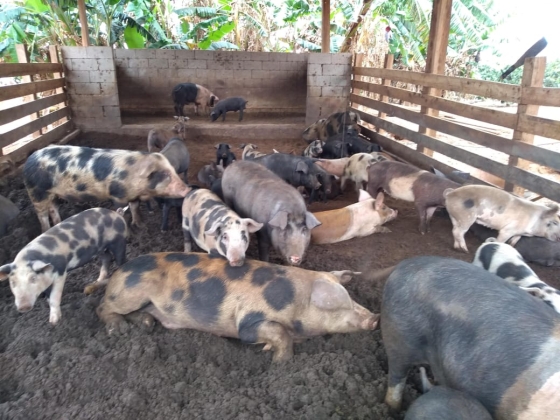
[314, 150]
[298, 171]
[479, 334]
[338, 122]
[512, 216]
[188, 93]
[85, 174]
[224, 155]
[250, 152]
[532, 248]
[215, 227]
[256, 192]
[233, 104]
[504, 261]
[408, 183]
[46, 260]
[257, 303]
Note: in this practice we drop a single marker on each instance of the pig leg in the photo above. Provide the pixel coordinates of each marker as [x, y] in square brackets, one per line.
[241, 114]
[114, 322]
[111, 312]
[187, 235]
[134, 211]
[264, 245]
[179, 214]
[165, 217]
[459, 234]
[118, 249]
[505, 234]
[103, 274]
[223, 116]
[423, 214]
[277, 339]
[429, 214]
[54, 299]
[141, 319]
[53, 213]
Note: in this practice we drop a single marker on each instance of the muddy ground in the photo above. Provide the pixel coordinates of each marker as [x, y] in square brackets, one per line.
[75, 371]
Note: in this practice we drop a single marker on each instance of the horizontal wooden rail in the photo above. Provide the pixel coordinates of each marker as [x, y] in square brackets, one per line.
[490, 116]
[540, 96]
[501, 91]
[24, 89]
[20, 111]
[501, 144]
[25, 69]
[33, 126]
[539, 126]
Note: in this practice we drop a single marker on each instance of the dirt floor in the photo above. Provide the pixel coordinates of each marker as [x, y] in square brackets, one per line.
[75, 371]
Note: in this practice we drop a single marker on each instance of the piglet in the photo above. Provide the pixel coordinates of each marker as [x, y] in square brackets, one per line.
[224, 155]
[512, 216]
[46, 260]
[257, 303]
[234, 103]
[209, 173]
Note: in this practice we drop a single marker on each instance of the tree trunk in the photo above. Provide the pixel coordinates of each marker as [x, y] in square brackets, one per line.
[352, 32]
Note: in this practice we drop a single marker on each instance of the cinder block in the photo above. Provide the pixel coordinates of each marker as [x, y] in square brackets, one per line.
[278, 57]
[87, 112]
[204, 55]
[84, 64]
[167, 74]
[73, 52]
[185, 54]
[252, 65]
[328, 80]
[315, 69]
[158, 63]
[319, 58]
[333, 91]
[111, 111]
[223, 56]
[106, 64]
[84, 88]
[342, 58]
[144, 73]
[138, 63]
[108, 89]
[301, 57]
[186, 74]
[78, 76]
[335, 70]
[223, 74]
[243, 56]
[124, 53]
[110, 122]
[145, 53]
[259, 74]
[80, 100]
[166, 54]
[314, 91]
[219, 65]
[121, 62]
[99, 52]
[179, 63]
[129, 73]
[197, 64]
[109, 100]
[208, 74]
[237, 65]
[107, 76]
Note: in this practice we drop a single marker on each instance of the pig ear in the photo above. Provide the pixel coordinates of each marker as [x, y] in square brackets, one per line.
[379, 200]
[40, 266]
[146, 165]
[302, 167]
[252, 226]
[213, 229]
[346, 275]
[5, 271]
[553, 209]
[216, 146]
[279, 220]
[329, 296]
[535, 291]
[311, 221]
[364, 195]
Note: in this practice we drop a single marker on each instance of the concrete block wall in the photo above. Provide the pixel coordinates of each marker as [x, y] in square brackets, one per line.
[92, 87]
[328, 84]
[271, 82]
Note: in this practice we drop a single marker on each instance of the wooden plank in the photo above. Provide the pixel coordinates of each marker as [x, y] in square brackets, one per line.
[50, 137]
[389, 59]
[540, 96]
[53, 54]
[20, 111]
[23, 89]
[20, 132]
[26, 69]
[533, 75]
[539, 126]
[490, 116]
[23, 58]
[526, 151]
[501, 91]
[358, 60]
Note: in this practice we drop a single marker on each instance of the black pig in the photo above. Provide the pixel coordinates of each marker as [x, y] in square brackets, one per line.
[234, 103]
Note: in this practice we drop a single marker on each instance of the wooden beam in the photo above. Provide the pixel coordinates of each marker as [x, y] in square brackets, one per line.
[539, 126]
[83, 22]
[389, 59]
[25, 69]
[533, 76]
[437, 52]
[23, 58]
[23, 89]
[541, 96]
[53, 55]
[326, 27]
[23, 110]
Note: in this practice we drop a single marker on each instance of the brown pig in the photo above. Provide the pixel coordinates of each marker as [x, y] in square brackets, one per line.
[84, 174]
[257, 303]
[333, 166]
[512, 216]
[408, 183]
[354, 221]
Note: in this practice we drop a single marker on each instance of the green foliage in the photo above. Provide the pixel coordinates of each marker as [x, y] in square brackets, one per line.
[551, 74]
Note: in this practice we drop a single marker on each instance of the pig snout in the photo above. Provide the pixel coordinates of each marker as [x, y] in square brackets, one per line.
[237, 263]
[177, 188]
[362, 319]
[295, 260]
[24, 307]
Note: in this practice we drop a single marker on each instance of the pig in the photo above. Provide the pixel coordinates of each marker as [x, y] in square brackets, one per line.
[479, 334]
[258, 303]
[513, 217]
[224, 155]
[235, 103]
[8, 212]
[442, 403]
[254, 191]
[335, 148]
[216, 188]
[85, 174]
[333, 166]
[356, 170]
[408, 183]
[314, 150]
[46, 261]
[532, 248]
[216, 228]
[158, 138]
[166, 204]
[504, 261]
[337, 122]
[361, 145]
[187, 93]
[325, 189]
[295, 170]
[363, 218]
[178, 156]
[209, 173]
[250, 152]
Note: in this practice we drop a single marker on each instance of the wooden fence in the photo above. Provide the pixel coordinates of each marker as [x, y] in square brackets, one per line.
[45, 104]
[371, 90]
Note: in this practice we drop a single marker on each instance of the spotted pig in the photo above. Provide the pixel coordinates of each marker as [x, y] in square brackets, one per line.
[486, 338]
[250, 152]
[356, 170]
[46, 260]
[335, 123]
[492, 207]
[504, 261]
[314, 149]
[333, 166]
[85, 174]
[259, 303]
[215, 227]
[408, 183]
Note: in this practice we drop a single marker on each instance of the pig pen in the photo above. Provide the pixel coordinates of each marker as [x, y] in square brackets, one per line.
[76, 371]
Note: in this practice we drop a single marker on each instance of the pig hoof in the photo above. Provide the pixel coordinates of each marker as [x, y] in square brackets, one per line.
[117, 328]
[54, 318]
[90, 288]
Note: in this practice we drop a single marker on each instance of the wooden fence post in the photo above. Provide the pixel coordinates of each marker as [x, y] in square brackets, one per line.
[23, 57]
[389, 58]
[533, 76]
[53, 54]
[358, 59]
